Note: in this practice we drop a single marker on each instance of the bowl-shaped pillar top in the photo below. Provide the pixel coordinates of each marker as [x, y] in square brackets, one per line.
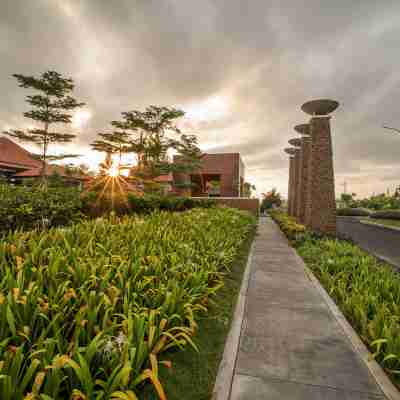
[296, 142]
[303, 129]
[320, 107]
[290, 150]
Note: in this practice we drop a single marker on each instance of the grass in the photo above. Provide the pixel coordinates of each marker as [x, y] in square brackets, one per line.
[193, 374]
[386, 222]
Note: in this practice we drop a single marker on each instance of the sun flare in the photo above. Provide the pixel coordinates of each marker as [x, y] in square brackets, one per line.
[113, 171]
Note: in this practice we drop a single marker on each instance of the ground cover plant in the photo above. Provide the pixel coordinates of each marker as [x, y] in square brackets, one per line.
[365, 289]
[93, 311]
[30, 207]
[391, 223]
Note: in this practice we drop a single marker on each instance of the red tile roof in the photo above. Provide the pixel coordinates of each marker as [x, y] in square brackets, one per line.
[50, 170]
[164, 178]
[14, 156]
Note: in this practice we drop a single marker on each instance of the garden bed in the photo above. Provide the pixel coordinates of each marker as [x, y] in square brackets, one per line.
[110, 307]
[366, 290]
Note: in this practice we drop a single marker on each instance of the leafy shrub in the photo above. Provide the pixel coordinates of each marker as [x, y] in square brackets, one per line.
[378, 202]
[32, 207]
[387, 214]
[91, 310]
[293, 230]
[367, 291]
[353, 212]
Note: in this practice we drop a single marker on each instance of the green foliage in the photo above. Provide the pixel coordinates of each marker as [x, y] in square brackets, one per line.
[92, 311]
[294, 231]
[386, 214]
[270, 200]
[24, 207]
[367, 291]
[144, 134]
[378, 202]
[121, 204]
[353, 212]
[52, 105]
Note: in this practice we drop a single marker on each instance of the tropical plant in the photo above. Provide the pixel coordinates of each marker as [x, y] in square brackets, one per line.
[91, 311]
[365, 289]
[270, 200]
[52, 105]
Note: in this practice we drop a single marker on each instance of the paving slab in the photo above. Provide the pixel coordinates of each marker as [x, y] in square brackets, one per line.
[291, 345]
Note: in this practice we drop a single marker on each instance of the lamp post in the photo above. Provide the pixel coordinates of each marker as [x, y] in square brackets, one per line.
[321, 210]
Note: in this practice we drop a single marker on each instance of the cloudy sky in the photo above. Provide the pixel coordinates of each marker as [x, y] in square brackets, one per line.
[240, 69]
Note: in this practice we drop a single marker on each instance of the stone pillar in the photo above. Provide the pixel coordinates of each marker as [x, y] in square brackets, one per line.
[304, 129]
[321, 211]
[297, 176]
[291, 151]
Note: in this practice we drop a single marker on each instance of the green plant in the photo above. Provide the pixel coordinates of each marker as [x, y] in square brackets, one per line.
[270, 200]
[386, 214]
[91, 311]
[51, 105]
[353, 212]
[365, 289]
[290, 227]
[35, 207]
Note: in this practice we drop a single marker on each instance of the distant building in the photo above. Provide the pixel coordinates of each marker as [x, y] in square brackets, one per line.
[220, 175]
[17, 165]
[14, 159]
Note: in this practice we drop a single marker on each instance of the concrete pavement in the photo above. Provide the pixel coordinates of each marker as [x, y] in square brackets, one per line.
[291, 345]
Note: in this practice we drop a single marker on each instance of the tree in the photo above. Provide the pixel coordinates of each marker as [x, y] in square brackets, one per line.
[147, 134]
[117, 142]
[270, 200]
[50, 106]
[247, 189]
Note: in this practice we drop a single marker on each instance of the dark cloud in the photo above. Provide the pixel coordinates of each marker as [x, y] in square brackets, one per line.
[262, 58]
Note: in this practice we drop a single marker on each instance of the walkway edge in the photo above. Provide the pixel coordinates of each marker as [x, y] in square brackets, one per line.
[223, 382]
[383, 381]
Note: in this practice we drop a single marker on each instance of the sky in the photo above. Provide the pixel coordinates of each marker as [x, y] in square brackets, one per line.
[240, 69]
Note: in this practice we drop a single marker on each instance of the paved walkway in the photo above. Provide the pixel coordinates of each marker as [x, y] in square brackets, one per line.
[291, 345]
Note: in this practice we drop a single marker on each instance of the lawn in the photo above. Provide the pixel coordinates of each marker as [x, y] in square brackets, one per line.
[386, 222]
[111, 308]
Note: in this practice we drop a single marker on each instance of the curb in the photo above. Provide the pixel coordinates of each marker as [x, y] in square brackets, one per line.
[223, 381]
[383, 381]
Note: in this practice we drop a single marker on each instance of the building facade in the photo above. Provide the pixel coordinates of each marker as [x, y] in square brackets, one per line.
[220, 175]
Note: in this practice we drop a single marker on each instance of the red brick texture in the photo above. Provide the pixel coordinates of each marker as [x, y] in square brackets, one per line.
[228, 165]
[321, 206]
[291, 185]
[305, 156]
[295, 186]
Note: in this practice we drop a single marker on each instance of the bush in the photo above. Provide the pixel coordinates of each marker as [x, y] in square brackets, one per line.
[367, 291]
[91, 311]
[293, 230]
[353, 212]
[387, 214]
[24, 207]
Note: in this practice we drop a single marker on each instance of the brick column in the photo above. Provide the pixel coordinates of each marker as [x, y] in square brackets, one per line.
[321, 212]
[304, 130]
[297, 176]
[291, 151]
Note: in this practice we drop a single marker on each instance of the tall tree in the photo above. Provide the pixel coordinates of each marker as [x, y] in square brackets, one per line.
[51, 105]
[117, 142]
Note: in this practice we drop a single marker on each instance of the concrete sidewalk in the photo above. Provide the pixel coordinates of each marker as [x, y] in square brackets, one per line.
[291, 345]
